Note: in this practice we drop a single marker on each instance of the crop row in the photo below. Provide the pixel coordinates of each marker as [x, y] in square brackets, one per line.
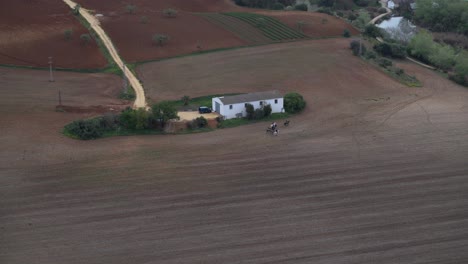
[270, 27]
[238, 27]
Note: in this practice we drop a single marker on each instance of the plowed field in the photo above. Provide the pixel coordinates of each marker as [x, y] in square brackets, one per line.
[370, 172]
[31, 31]
[317, 25]
[187, 31]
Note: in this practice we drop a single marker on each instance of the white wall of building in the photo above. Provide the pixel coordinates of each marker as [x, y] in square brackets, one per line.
[231, 111]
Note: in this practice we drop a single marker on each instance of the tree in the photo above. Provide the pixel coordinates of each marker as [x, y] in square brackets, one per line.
[131, 9]
[421, 46]
[250, 110]
[169, 12]
[372, 31]
[68, 34]
[461, 64]
[443, 56]
[346, 33]
[85, 129]
[267, 110]
[163, 112]
[301, 7]
[294, 103]
[76, 10]
[362, 20]
[141, 118]
[277, 6]
[128, 118]
[357, 47]
[160, 39]
[85, 38]
[185, 99]
[144, 20]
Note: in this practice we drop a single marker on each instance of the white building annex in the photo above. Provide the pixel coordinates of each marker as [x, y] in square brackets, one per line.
[234, 106]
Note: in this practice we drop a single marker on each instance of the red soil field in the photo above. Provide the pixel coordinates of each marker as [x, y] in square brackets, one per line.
[32, 30]
[159, 5]
[315, 25]
[134, 39]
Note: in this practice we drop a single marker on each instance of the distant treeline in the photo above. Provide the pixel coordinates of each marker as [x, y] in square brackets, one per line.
[443, 15]
[269, 4]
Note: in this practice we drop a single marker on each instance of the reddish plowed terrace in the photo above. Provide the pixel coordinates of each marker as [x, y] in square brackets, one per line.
[32, 30]
[186, 32]
[159, 5]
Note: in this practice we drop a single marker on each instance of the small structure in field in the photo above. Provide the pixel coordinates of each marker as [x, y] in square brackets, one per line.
[234, 106]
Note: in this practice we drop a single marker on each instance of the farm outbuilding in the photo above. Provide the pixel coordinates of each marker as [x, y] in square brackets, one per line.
[234, 106]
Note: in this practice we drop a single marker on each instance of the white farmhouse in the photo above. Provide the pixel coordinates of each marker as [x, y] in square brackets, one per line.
[234, 106]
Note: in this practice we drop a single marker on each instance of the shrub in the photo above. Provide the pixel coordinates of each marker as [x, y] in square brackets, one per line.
[346, 33]
[301, 7]
[131, 9]
[160, 39]
[294, 103]
[372, 31]
[85, 38]
[340, 14]
[391, 50]
[277, 6]
[169, 12]
[267, 110]
[357, 47]
[384, 62]
[85, 129]
[459, 78]
[201, 122]
[249, 108]
[76, 10]
[68, 34]
[109, 121]
[382, 10]
[325, 10]
[352, 17]
[185, 99]
[258, 113]
[370, 55]
[144, 20]
[289, 8]
[362, 2]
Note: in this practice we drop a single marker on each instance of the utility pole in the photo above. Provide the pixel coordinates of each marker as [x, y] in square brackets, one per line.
[360, 45]
[51, 75]
[125, 82]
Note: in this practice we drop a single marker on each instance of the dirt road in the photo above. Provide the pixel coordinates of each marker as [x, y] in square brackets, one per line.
[383, 3]
[140, 100]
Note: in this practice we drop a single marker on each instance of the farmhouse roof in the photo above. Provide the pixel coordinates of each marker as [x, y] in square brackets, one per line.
[250, 97]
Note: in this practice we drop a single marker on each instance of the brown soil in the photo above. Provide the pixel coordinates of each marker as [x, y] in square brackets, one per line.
[317, 25]
[151, 5]
[186, 32]
[31, 31]
[353, 179]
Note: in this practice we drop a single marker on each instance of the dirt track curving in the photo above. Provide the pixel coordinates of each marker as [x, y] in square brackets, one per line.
[140, 100]
[371, 172]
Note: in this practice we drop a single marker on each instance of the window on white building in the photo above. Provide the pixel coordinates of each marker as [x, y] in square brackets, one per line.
[230, 107]
[276, 101]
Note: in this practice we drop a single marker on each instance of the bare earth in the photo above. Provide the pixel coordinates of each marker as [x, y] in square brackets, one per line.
[371, 172]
